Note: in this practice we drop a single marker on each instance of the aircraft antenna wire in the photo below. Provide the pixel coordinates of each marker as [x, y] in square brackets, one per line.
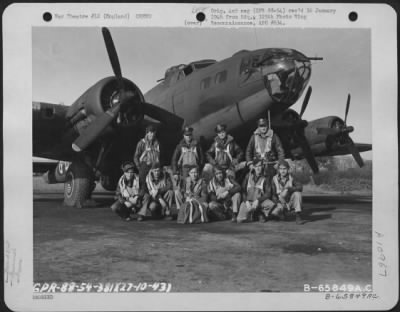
[255, 34]
[269, 119]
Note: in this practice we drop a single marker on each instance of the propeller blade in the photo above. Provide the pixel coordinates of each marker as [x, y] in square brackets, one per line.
[354, 151]
[113, 56]
[347, 108]
[308, 155]
[305, 102]
[163, 116]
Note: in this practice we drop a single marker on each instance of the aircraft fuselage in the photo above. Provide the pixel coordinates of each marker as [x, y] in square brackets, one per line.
[236, 91]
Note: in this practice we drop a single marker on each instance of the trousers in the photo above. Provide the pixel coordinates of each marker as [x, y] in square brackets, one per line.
[124, 211]
[294, 202]
[245, 213]
[143, 171]
[156, 206]
[233, 204]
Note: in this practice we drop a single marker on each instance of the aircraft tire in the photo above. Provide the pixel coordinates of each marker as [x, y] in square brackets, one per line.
[78, 185]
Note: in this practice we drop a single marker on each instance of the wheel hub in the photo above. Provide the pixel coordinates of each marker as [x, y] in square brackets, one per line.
[69, 185]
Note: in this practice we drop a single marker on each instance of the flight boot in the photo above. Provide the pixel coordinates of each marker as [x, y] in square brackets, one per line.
[234, 217]
[167, 216]
[262, 218]
[283, 215]
[299, 219]
[140, 218]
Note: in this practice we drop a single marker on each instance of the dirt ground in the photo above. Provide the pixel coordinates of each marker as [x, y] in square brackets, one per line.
[94, 245]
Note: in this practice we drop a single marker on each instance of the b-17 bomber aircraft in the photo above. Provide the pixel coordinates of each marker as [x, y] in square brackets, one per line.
[101, 128]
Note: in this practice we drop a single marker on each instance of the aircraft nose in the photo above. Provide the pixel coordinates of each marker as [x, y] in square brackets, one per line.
[285, 78]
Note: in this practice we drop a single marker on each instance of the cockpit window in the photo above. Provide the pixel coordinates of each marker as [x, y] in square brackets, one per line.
[202, 65]
[188, 70]
[248, 62]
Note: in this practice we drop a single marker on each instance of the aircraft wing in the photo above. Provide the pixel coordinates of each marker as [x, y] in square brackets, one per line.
[49, 130]
[41, 165]
[341, 150]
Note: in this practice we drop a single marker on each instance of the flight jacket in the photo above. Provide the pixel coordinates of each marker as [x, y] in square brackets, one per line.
[217, 154]
[267, 189]
[276, 152]
[296, 186]
[178, 151]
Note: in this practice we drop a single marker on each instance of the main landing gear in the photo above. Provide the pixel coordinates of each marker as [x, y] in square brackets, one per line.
[79, 184]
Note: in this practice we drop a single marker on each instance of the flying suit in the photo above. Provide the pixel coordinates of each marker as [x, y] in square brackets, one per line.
[185, 156]
[147, 153]
[194, 207]
[221, 208]
[126, 193]
[288, 191]
[224, 153]
[255, 188]
[160, 193]
[267, 147]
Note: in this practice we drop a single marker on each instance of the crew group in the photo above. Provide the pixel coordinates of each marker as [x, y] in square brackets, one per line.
[268, 191]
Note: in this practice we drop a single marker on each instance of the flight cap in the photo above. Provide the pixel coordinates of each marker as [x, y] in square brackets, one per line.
[282, 162]
[262, 122]
[257, 161]
[187, 131]
[191, 167]
[127, 165]
[150, 128]
[218, 168]
[220, 127]
[156, 165]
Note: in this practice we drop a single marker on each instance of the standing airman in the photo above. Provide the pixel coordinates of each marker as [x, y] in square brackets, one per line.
[147, 153]
[266, 145]
[224, 152]
[187, 153]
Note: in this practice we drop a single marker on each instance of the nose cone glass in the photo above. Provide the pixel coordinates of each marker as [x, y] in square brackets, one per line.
[286, 74]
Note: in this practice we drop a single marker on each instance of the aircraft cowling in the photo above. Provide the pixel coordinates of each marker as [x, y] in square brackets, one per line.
[322, 141]
[288, 117]
[100, 97]
[286, 124]
[313, 134]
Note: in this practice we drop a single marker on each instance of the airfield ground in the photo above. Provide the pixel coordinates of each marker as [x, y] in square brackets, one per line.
[93, 245]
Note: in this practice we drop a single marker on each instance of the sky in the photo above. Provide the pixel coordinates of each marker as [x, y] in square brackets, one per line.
[68, 60]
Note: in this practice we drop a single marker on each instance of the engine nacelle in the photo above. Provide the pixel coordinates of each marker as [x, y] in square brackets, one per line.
[319, 135]
[288, 116]
[313, 130]
[101, 97]
[287, 125]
